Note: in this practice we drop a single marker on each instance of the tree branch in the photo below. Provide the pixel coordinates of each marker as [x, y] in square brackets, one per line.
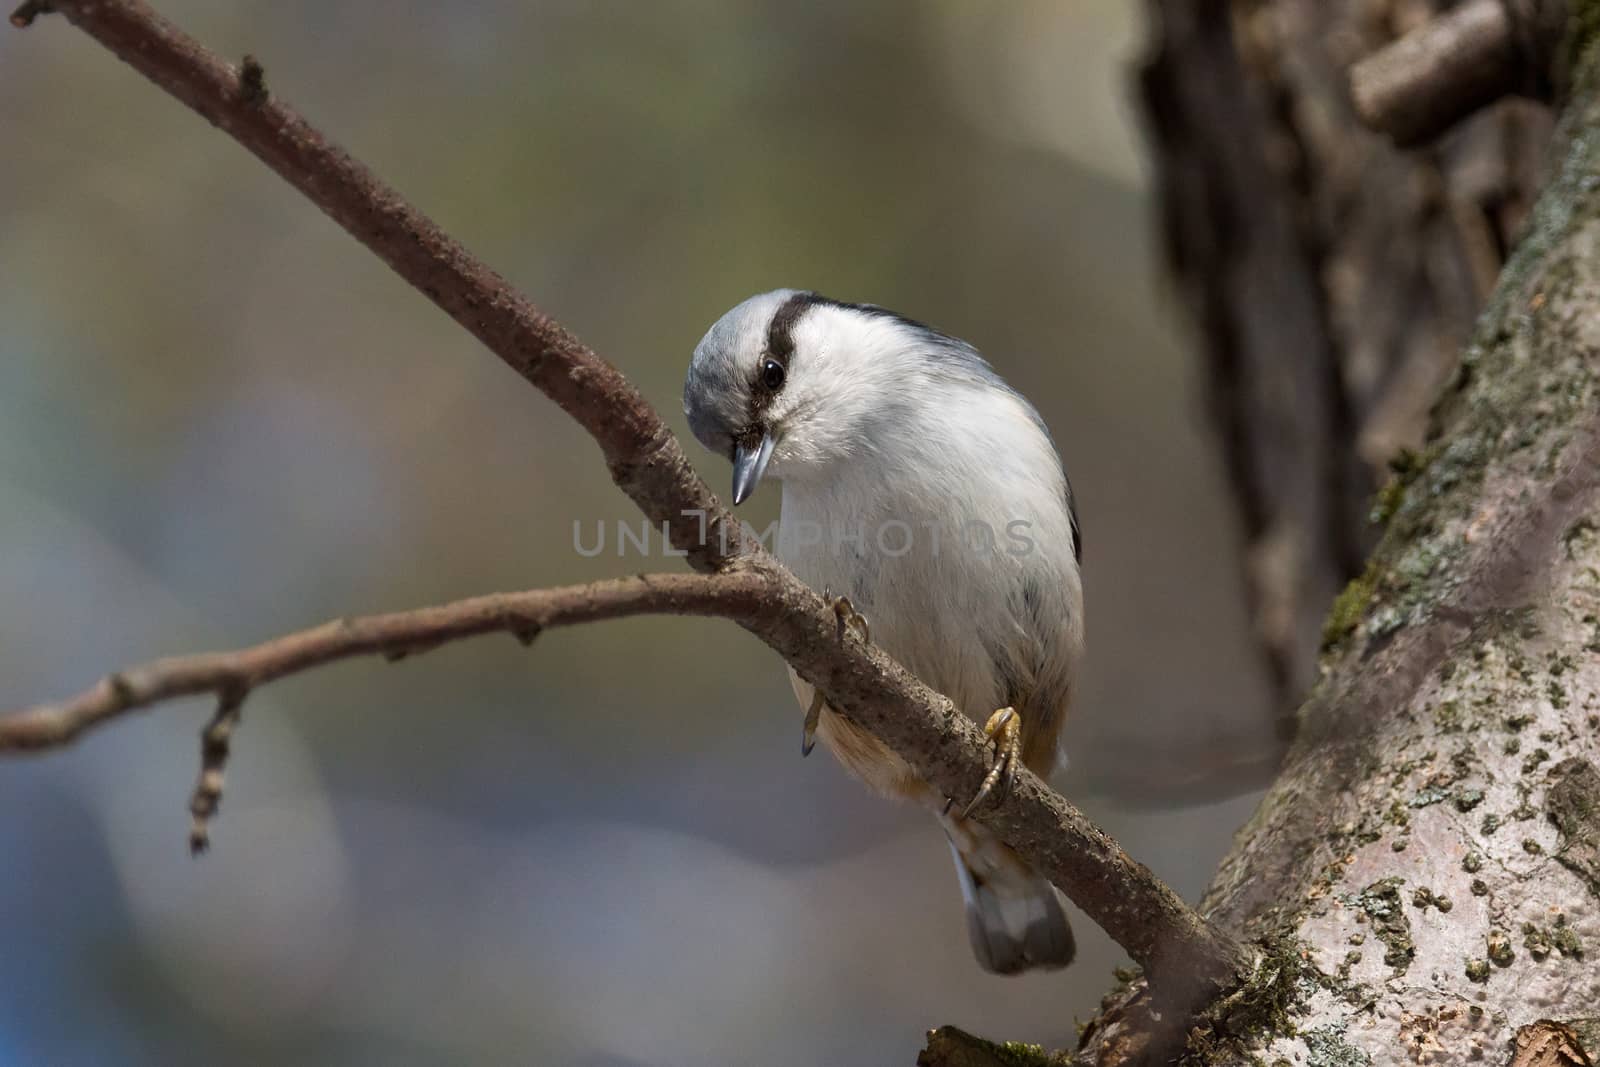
[1417, 87]
[645, 459]
[230, 675]
[1184, 957]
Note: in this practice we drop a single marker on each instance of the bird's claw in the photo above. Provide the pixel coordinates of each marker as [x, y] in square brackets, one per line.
[849, 618]
[1004, 731]
[808, 738]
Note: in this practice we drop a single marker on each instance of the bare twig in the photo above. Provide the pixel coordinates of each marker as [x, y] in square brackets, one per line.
[645, 459]
[214, 745]
[230, 675]
[1186, 959]
[1417, 87]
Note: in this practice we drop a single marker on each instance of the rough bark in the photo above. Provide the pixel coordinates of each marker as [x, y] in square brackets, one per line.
[1333, 277]
[1426, 869]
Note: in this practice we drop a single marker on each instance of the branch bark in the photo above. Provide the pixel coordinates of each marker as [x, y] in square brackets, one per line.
[395, 636]
[1186, 959]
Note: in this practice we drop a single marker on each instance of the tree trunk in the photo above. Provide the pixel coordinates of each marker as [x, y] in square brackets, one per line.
[1424, 876]
[1333, 277]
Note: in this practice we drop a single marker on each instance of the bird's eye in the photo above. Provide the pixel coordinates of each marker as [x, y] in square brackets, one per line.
[772, 373]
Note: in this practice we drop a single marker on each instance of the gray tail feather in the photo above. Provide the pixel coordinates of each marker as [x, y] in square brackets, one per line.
[1016, 923]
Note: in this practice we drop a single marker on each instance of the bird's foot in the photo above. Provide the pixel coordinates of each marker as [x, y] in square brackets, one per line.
[1004, 731]
[849, 619]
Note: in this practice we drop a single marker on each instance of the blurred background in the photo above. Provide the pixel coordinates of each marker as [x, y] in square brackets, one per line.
[221, 418]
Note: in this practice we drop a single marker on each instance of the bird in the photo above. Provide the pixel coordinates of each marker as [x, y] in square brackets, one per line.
[930, 496]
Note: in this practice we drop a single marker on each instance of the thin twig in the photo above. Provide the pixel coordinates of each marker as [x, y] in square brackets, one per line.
[645, 459]
[215, 740]
[1186, 958]
[230, 675]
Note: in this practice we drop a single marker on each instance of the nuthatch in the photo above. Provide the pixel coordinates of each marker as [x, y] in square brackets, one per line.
[926, 491]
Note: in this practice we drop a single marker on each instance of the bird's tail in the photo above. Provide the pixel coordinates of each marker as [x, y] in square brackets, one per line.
[1014, 917]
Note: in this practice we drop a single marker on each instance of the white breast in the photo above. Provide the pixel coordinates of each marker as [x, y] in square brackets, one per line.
[954, 540]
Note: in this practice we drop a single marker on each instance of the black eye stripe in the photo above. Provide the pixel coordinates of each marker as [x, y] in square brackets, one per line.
[780, 332]
[773, 369]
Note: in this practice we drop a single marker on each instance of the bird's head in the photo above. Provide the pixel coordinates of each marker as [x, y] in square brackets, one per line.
[791, 383]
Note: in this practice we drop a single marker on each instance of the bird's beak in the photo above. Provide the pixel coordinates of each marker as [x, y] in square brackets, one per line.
[750, 457]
